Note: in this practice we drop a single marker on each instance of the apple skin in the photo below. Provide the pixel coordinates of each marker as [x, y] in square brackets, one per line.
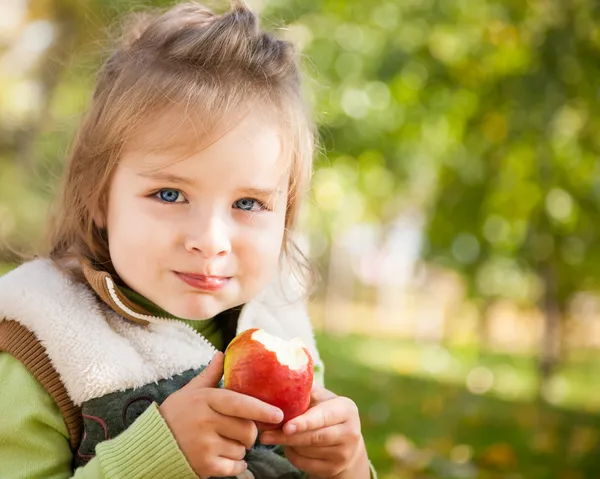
[253, 370]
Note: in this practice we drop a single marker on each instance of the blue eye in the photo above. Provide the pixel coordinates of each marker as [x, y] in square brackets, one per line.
[249, 204]
[169, 195]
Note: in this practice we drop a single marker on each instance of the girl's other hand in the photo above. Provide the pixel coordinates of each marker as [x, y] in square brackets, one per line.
[326, 440]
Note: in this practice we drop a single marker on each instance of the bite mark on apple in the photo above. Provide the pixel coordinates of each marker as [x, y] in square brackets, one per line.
[289, 353]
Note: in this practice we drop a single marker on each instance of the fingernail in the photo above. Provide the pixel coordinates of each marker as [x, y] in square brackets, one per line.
[265, 438]
[290, 429]
[278, 416]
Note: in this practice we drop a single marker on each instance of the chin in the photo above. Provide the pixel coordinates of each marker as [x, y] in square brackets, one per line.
[200, 312]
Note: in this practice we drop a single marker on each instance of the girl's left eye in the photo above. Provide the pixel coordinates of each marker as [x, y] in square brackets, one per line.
[169, 195]
[249, 204]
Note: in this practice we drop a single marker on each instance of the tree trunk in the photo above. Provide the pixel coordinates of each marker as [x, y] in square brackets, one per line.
[483, 333]
[550, 340]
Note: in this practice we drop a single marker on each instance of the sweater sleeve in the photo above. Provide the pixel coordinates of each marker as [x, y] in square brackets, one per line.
[34, 441]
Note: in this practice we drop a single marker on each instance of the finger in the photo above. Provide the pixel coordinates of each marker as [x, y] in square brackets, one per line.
[328, 413]
[243, 431]
[326, 453]
[232, 450]
[328, 436]
[319, 394]
[231, 403]
[210, 376]
[223, 467]
[313, 466]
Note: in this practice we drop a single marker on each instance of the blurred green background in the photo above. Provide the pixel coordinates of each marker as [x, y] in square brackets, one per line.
[453, 215]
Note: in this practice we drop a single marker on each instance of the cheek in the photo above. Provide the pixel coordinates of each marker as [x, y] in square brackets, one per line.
[261, 247]
[131, 230]
[125, 225]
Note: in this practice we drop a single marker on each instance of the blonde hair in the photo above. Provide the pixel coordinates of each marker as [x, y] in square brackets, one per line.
[214, 65]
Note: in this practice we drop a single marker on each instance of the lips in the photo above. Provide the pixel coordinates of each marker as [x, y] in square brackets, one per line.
[204, 282]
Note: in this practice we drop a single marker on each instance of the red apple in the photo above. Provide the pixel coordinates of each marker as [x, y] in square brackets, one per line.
[274, 370]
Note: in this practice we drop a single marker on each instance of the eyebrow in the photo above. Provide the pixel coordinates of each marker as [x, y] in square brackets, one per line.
[163, 176]
[261, 191]
[171, 178]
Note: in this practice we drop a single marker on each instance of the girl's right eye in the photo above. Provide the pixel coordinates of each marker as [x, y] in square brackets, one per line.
[169, 195]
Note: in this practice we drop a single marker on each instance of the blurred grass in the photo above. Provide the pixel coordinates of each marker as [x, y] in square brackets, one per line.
[422, 427]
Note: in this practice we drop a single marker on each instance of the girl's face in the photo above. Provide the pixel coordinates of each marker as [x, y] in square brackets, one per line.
[200, 235]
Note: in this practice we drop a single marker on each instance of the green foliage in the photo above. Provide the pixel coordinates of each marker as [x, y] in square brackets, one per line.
[521, 195]
[483, 114]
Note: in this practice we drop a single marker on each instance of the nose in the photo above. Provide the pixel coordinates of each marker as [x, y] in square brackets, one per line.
[208, 235]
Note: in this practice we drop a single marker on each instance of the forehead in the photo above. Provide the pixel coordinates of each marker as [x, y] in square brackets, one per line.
[250, 142]
[187, 128]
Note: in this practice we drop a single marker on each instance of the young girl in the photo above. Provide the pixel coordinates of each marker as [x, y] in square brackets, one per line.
[172, 236]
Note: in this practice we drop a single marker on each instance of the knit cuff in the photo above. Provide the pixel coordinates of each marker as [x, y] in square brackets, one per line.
[145, 449]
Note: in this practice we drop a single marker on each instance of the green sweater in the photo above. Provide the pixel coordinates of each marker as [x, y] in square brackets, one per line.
[209, 328]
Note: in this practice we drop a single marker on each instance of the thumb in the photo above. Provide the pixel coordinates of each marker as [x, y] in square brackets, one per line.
[211, 375]
[319, 394]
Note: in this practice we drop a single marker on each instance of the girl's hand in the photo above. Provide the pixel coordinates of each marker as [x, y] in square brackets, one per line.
[325, 441]
[215, 426]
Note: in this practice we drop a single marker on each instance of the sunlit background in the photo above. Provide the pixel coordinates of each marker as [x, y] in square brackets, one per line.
[452, 216]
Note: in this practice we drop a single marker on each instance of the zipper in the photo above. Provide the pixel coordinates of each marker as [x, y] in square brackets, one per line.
[152, 319]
